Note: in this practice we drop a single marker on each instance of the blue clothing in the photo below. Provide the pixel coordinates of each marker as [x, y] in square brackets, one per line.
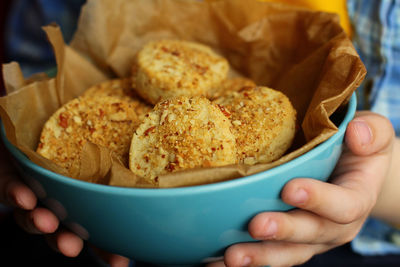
[377, 40]
[26, 43]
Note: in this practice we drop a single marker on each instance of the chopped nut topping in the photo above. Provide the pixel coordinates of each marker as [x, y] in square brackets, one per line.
[63, 120]
[224, 111]
[77, 120]
[236, 122]
[146, 133]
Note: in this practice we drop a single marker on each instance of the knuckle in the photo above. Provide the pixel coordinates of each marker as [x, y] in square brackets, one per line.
[346, 238]
[357, 208]
[350, 214]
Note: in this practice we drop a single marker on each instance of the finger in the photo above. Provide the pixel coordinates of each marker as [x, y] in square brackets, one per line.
[65, 242]
[12, 192]
[349, 203]
[299, 226]
[369, 133]
[216, 264]
[113, 260]
[37, 221]
[270, 253]
[118, 261]
[17, 194]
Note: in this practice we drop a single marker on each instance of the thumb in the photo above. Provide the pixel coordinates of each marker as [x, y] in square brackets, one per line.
[369, 133]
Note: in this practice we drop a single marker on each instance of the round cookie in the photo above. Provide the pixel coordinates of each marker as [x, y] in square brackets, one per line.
[232, 85]
[181, 133]
[103, 120]
[264, 123]
[169, 68]
[123, 89]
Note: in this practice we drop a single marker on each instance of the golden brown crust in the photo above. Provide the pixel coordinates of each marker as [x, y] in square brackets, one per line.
[123, 89]
[169, 68]
[104, 115]
[264, 123]
[232, 85]
[182, 133]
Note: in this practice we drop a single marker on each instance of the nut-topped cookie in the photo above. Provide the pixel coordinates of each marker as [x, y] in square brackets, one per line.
[264, 123]
[182, 133]
[169, 68]
[97, 117]
[123, 89]
[232, 85]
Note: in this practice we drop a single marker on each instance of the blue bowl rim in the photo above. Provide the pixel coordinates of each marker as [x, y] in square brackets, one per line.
[159, 192]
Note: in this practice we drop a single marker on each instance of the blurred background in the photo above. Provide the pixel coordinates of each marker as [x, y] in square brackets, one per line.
[4, 7]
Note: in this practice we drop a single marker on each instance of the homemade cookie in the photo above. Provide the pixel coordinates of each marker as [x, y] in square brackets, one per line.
[232, 85]
[182, 133]
[169, 68]
[123, 89]
[103, 120]
[264, 123]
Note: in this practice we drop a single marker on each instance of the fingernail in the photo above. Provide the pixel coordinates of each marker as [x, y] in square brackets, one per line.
[246, 261]
[300, 196]
[271, 229]
[363, 131]
[16, 201]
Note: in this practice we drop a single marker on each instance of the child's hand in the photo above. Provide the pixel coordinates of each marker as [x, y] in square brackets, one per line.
[38, 220]
[329, 214]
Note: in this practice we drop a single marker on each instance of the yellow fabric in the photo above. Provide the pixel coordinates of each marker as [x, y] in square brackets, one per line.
[336, 6]
[333, 6]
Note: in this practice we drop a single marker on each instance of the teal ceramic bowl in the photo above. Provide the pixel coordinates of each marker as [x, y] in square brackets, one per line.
[175, 226]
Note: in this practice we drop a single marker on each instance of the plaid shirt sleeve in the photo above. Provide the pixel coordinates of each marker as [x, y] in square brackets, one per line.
[377, 40]
[376, 26]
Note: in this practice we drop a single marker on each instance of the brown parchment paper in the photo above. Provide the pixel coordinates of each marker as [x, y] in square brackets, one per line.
[302, 53]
